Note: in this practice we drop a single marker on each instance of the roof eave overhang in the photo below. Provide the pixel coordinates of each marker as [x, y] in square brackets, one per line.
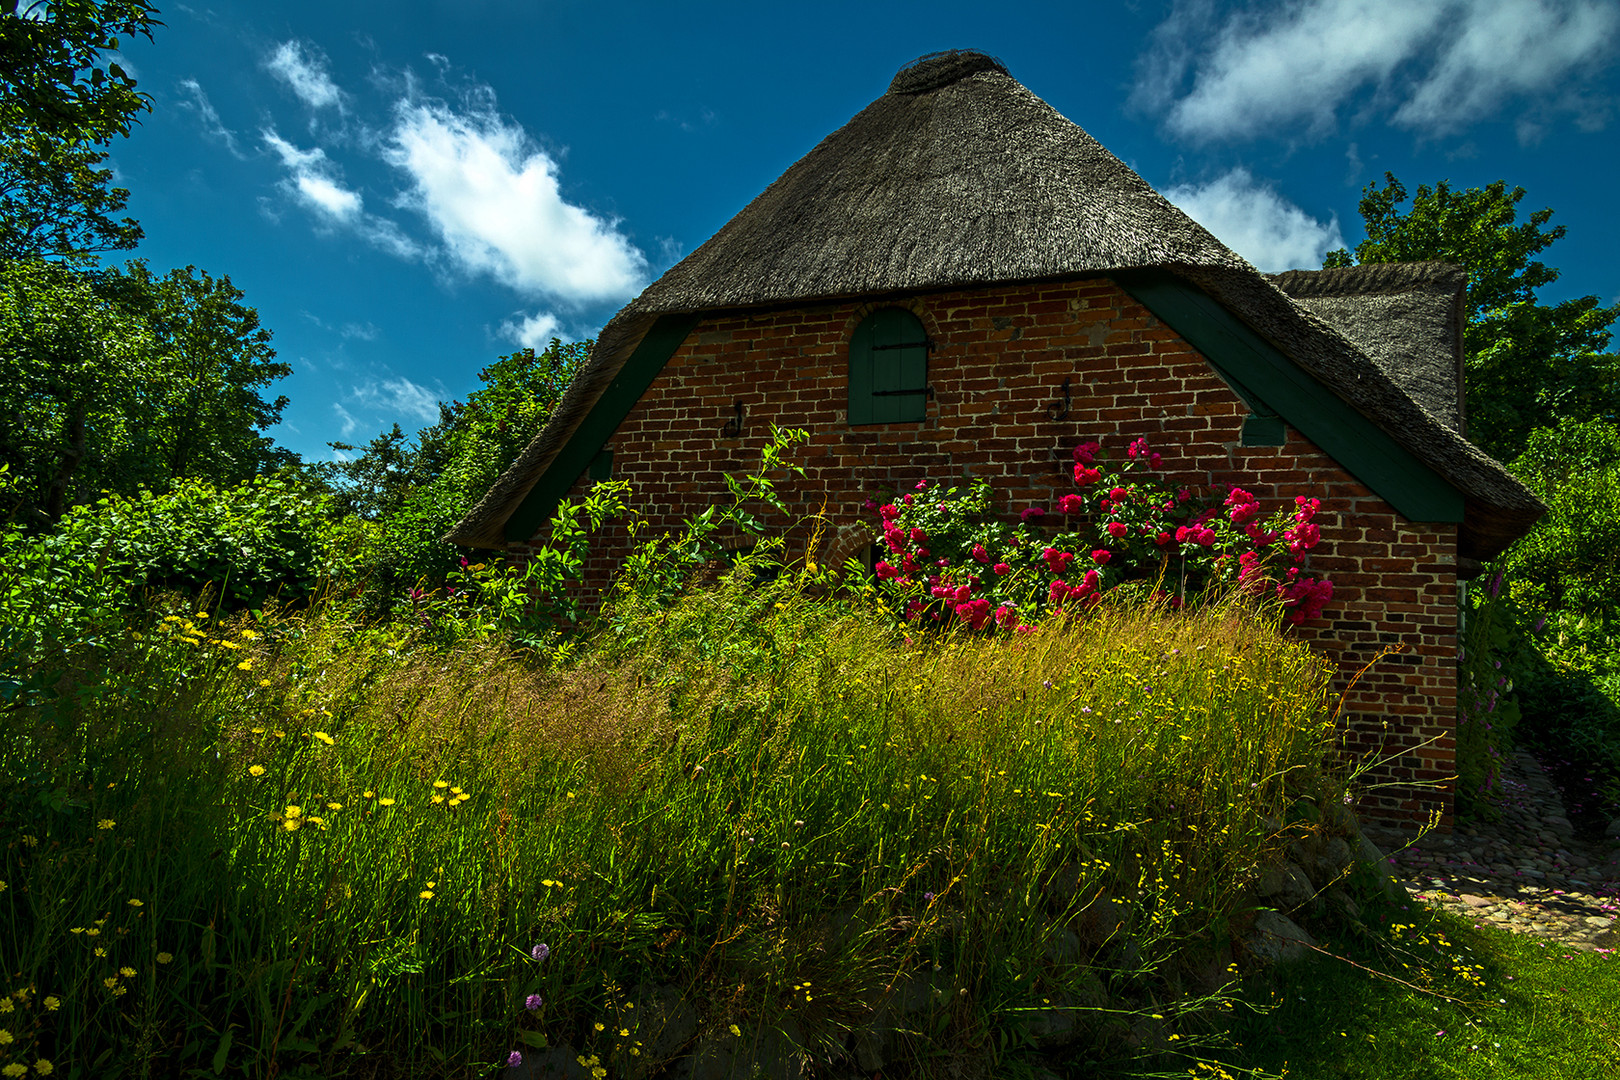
[1411, 486]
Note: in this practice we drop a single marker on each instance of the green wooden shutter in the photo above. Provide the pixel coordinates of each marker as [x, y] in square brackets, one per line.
[888, 369]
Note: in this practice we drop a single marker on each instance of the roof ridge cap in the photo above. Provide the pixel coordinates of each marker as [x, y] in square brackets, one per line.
[938, 69]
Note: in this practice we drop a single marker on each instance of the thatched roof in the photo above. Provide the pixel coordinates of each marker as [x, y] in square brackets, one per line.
[1408, 318]
[959, 176]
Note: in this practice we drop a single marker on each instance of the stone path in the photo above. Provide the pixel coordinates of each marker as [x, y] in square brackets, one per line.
[1527, 873]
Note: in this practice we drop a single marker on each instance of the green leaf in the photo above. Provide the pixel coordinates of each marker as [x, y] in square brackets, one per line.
[222, 1053]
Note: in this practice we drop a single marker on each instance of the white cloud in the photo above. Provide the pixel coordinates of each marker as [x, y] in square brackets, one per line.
[194, 99]
[533, 331]
[349, 425]
[312, 182]
[366, 331]
[1253, 220]
[494, 200]
[1434, 65]
[305, 75]
[398, 397]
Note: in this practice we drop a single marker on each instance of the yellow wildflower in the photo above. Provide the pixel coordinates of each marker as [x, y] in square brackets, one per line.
[101, 952]
[368, 794]
[127, 972]
[30, 840]
[14, 1069]
[385, 802]
[440, 784]
[110, 981]
[255, 770]
[294, 811]
[53, 1003]
[135, 903]
[438, 798]
[246, 665]
[76, 930]
[264, 682]
[292, 824]
[455, 791]
[6, 1005]
[425, 894]
[599, 1026]
[229, 645]
[105, 823]
[93, 931]
[334, 806]
[43, 1067]
[736, 1031]
[325, 738]
[164, 958]
[249, 634]
[316, 821]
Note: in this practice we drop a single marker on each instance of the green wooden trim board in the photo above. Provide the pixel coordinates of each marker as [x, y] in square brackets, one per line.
[599, 424]
[1246, 360]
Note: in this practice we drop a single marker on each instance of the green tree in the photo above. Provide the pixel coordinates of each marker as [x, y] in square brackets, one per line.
[71, 363]
[55, 72]
[1569, 564]
[211, 360]
[413, 492]
[57, 203]
[1528, 364]
[121, 380]
[62, 98]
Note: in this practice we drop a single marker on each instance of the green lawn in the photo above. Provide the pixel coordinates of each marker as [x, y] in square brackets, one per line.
[1514, 1007]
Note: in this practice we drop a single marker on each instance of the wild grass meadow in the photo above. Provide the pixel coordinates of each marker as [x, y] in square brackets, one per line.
[302, 844]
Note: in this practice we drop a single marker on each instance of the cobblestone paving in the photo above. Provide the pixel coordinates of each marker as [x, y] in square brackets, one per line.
[1527, 873]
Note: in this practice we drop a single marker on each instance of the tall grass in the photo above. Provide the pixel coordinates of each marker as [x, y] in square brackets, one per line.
[327, 848]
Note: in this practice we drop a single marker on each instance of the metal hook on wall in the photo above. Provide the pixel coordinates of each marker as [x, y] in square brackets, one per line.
[734, 426]
[1059, 410]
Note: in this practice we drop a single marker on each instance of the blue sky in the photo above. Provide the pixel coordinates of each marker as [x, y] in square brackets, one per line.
[407, 190]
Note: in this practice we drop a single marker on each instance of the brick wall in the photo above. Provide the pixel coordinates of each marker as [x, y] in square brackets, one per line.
[1001, 357]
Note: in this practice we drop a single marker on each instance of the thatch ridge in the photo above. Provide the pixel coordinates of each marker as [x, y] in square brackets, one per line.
[939, 69]
[975, 181]
[1407, 318]
[1372, 278]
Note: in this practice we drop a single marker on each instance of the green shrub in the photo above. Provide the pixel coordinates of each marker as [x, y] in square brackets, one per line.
[1563, 579]
[240, 545]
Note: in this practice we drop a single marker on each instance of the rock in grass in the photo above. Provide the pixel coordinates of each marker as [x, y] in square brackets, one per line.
[1285, 887]
[1334, 860]
[1369, 855]
[664, 1023]
[556, 1063]
[1276, 939]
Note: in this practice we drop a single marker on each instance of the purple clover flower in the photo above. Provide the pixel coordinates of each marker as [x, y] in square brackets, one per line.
[533, 1002]
[514, 1059]
[540, 952]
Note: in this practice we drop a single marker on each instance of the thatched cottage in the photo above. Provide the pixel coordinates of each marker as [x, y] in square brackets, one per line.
[1042, 294]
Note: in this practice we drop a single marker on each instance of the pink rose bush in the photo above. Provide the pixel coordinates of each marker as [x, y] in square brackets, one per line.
[950, 553]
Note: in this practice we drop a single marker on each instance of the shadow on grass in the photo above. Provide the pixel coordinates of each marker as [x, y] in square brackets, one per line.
[1474, 1002]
